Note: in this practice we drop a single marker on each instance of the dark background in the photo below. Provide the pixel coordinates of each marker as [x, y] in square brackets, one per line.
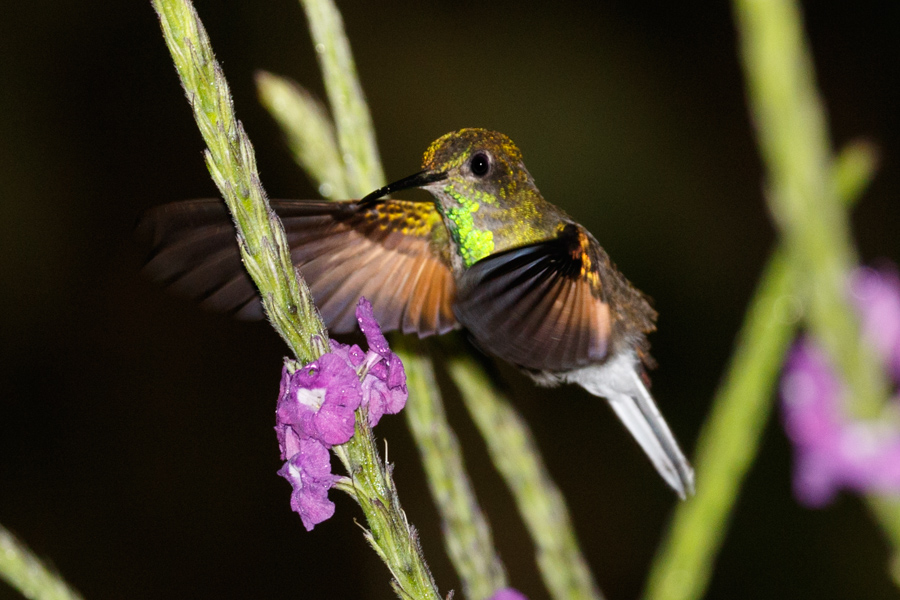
[136, 443]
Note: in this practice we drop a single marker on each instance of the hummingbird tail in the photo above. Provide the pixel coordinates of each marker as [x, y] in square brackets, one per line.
[641, 416]
[619, 381]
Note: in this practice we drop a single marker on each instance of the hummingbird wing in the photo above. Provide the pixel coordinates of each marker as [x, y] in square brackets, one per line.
[546, 306]
[389, 252]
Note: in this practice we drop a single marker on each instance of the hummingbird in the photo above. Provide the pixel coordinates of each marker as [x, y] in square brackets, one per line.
[486, 253]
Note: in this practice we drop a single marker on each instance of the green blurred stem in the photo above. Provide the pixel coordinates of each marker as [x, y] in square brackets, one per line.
[541, 504]
[467, 534]
[265, 252]
[313, 141]
[886, 512]
[729, 440]
[24, 572]
[355, 133]
[815, 228]
[809, 271]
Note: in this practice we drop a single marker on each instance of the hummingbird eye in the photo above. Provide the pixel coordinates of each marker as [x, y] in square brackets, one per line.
[480, 164]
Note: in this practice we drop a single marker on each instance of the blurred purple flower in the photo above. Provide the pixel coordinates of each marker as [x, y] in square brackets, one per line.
[877, 297]
[833, 451]
[309, 473]
[316, 410]
[508, 594]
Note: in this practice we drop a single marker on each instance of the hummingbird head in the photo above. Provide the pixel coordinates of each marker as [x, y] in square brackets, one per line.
[484, 193]
[476, 164]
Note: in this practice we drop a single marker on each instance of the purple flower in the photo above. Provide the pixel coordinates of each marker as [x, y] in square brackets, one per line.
[384, 382]
[316, 410]
[833, 451]
[384, 388]
[508, 594]
[877, 297]
[309, 473]
[319, 401]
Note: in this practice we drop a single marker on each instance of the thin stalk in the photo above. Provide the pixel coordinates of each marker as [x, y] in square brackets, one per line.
[541, 505]
[885, 511]
[355, 133]
[466, 530]
[815, 228]
[25, 572]
[793, 139]
[729, 440]
[313, 141]
[231, 162]
[390, 534]
[467, 534]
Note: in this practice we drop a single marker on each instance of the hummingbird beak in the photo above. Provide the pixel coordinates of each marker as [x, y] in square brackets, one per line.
[420, 179]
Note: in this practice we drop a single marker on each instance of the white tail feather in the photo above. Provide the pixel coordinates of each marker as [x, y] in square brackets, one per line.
[618, 381]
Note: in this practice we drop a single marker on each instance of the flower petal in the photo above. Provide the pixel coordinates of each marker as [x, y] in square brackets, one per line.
[309, 473]
[877, 296]
[319, 400]
[833, 451]
[384, 390]
[369, 326]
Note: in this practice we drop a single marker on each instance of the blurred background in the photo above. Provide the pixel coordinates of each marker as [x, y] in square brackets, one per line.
[136, 443]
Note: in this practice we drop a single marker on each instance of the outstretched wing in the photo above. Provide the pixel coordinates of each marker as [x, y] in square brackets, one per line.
[555, 305]
[389, 252]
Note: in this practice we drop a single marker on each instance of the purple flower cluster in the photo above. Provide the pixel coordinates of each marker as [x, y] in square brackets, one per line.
[316, 410]
[832, 451]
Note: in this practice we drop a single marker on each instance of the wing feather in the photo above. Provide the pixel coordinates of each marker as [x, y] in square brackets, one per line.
[387, 251]
[533, 307]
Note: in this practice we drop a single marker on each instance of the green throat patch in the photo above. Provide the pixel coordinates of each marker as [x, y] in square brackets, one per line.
[473, 243]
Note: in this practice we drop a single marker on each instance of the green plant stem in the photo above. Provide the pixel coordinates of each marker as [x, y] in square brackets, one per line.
[466, 531]
[467, 534]
[355, 133]
[309, 131]
[815, 228]
[390, 534]
[266, 255]
[232, 164]
[26, 573]
[729, 440]
[540, 503]
[886, 512]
